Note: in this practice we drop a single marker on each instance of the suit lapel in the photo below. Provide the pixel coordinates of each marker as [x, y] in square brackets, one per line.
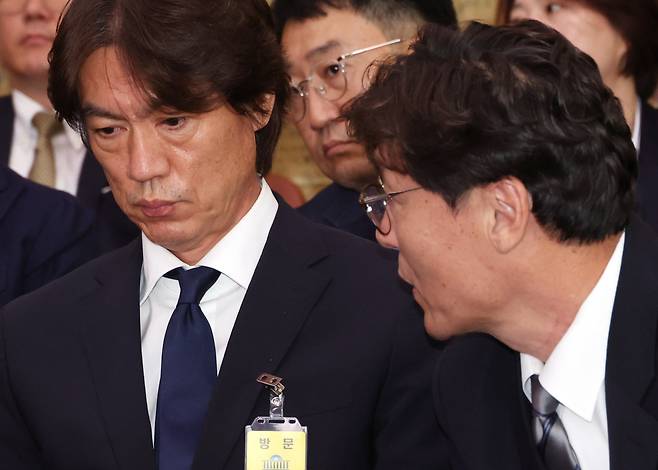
[648, 166]
[630, 368]
[284, 289]
[113, 344]
[6, 128]
[481, 406]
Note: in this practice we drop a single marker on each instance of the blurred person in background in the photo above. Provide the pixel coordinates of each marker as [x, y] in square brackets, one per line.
[32, 142]
[622, 37]
[329, 45]
[44, 234]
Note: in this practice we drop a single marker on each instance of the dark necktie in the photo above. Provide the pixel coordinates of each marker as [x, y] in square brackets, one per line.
[189, 372]
[551, 437]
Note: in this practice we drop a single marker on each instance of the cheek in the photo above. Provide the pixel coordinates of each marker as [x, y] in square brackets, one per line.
[310, 137]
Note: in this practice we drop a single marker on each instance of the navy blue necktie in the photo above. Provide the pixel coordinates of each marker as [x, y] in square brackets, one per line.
[189, 372]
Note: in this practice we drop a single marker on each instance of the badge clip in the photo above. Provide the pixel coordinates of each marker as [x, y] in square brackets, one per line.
[275, 441]
[276, 387]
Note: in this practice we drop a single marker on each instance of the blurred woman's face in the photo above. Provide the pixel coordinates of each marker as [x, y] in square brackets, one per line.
[586, 28]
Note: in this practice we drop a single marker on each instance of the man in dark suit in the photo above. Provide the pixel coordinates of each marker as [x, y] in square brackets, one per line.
[26, 33]
[319, 36]
[44, 234]
[148, 357]
[508, 186]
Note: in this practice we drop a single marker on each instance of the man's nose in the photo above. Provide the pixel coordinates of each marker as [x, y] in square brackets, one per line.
[39, 8]
[320, 111]
[148, 159]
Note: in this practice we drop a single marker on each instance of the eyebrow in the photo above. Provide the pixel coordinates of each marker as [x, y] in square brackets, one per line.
[89, 110]
[324, 48]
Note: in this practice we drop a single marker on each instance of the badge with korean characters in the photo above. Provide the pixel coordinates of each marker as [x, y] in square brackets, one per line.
[275, 442]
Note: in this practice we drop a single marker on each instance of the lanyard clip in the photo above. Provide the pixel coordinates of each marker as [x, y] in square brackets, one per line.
[276, 387]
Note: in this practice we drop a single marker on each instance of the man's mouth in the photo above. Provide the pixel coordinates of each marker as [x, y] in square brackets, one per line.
[36, 40]
[335, 147]
[156, 207]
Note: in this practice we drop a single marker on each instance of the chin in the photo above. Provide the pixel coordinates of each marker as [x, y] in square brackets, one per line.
[439, 332]
[355, 174]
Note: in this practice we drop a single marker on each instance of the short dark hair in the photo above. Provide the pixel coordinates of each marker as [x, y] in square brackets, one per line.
[185, 54]
[637, 23]
[386, 13]
[466, 109]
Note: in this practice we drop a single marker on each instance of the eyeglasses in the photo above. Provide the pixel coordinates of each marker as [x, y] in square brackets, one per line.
[330, 77]
[11, 7]
[374, 200]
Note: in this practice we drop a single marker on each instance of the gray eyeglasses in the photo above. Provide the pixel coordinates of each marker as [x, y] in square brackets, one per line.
[330, 79]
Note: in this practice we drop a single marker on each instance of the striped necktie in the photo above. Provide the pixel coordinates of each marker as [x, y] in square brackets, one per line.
[549, 433]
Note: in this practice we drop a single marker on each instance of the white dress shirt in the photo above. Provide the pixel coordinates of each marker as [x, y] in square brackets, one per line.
[575, 371]
[68, 148]
[235, 256]
[637, 126]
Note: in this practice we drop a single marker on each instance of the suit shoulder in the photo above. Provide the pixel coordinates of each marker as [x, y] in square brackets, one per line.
[71, 287]
[352, 249]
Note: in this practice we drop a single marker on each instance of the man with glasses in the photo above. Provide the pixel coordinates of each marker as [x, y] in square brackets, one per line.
[329, 45]
[32, 142]
[508, 179]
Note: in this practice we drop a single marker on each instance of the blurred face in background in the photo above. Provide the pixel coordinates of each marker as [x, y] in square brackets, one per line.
[311, 47]
[585, 27]
[27, 30]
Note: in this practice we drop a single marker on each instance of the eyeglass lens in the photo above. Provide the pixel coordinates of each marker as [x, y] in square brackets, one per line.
[376, 207]
[329, 81]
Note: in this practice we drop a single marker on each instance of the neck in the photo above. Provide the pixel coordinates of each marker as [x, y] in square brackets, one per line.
[37, 89]
[624, 89]
[546, 301]
[201, 247]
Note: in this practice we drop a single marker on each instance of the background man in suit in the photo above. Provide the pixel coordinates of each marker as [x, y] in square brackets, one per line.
[508, 186]
[32, 142]
[44, 234]
[316, 35]
[182, 103]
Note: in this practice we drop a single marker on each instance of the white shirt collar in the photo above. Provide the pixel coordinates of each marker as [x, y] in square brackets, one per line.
[637, 125]
[25, 108]
[235, 255]
[575, 370]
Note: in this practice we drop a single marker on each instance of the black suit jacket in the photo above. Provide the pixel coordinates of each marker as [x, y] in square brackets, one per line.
[44, 234]
[338, 207]
[647, 184]
[481, 406]
[114, 228]
[324, 310]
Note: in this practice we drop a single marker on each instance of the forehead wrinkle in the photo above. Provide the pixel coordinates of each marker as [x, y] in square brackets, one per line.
[132, 88]
[322, 49]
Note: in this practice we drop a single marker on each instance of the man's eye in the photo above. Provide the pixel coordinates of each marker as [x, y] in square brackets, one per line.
[106, 131]
[175, 122]
[330, 71]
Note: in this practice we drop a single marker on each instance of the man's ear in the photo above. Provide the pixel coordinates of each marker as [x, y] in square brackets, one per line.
[260, 120]
[511, 205]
